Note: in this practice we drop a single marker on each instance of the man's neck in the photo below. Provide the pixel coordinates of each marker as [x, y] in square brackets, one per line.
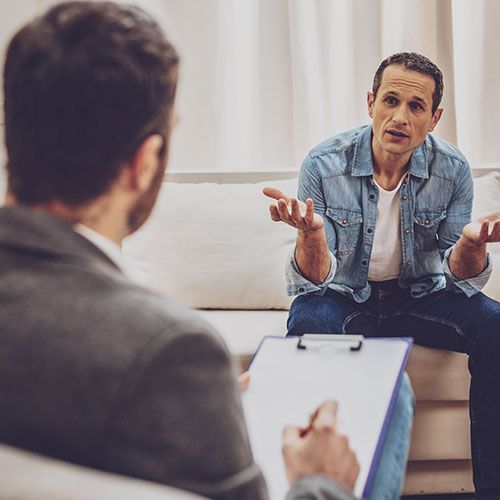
[99, 216]
[388, 168]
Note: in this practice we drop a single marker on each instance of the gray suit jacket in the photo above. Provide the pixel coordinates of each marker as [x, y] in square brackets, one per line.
[99, 371]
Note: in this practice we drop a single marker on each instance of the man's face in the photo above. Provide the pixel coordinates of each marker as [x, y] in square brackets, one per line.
[402, 111]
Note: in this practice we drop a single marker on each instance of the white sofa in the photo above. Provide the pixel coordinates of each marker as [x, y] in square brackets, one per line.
[213, 246]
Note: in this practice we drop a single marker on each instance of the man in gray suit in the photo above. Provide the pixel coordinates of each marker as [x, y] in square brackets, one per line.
[95, 369]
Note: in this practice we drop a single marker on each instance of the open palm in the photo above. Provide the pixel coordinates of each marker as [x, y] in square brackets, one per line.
[484, 230]
[292, 211]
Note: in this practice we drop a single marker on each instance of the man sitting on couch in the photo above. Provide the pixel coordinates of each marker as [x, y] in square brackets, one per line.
[385, 246]
[95, 369]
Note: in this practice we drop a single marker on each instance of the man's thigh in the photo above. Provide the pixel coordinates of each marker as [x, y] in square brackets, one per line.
[329, 313]
[446, 320]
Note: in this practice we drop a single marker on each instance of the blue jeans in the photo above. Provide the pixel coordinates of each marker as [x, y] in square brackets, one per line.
[391, 472]
[443, 320]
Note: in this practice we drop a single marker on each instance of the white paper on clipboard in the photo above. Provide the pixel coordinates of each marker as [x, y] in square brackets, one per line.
[288, 383]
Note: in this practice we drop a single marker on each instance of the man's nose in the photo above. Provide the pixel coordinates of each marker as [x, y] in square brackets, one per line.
[400, 115]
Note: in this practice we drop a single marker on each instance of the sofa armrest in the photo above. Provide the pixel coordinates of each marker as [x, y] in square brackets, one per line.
[28, 476]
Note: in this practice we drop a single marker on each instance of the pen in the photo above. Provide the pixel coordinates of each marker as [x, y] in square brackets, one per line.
[312, 418]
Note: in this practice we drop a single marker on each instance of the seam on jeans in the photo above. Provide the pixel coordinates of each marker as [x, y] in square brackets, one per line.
[348, 319]
[429, 318]
[442, 322]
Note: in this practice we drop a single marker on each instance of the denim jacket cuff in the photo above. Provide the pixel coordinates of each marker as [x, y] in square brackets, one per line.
[469, 286]
[298, 285]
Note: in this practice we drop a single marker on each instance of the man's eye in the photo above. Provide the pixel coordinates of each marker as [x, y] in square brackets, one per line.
[415, 106]
[391, 101]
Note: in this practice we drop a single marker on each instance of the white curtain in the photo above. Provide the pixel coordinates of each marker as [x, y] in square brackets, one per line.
[263, 81]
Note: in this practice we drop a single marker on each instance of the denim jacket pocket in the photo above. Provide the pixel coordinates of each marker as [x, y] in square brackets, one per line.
[347, 225]
[426, 226]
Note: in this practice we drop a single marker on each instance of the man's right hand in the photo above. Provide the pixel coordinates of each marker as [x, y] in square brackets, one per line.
[292, 211]
[311, 253]
[320, 449]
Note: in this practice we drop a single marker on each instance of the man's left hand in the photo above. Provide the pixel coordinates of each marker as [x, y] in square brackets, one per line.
[484, 230]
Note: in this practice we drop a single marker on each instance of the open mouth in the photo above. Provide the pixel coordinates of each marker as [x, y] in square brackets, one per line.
[396, 133]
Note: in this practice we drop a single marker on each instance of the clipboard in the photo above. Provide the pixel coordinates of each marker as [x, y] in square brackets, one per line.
[291, 376]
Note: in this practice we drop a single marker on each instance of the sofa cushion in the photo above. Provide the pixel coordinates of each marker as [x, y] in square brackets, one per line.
[215, 246]
[243, 331]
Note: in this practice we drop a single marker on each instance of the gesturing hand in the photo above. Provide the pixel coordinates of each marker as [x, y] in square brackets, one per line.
[484, 230]
[468, 258]
[292, 211]
[320, 449]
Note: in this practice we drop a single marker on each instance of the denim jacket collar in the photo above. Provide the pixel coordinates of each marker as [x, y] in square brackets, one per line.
[362, 162]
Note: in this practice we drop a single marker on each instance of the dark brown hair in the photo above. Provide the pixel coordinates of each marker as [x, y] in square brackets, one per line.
[84, 85]
[413, 62]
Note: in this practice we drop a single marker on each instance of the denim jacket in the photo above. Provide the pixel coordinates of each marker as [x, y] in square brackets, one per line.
[435, 201]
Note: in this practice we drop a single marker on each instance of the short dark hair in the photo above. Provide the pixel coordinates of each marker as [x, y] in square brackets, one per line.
[84, 85]
[413, 62]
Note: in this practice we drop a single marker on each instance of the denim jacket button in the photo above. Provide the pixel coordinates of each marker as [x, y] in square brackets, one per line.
[364, 262]
[372, 197]
[404, 197]
[427, 222]
[369, 230]
[407, 231]
[301, 289]
[408, 264]
[344, 221]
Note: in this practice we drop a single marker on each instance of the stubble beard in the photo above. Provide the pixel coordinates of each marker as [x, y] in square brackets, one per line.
[139, 214]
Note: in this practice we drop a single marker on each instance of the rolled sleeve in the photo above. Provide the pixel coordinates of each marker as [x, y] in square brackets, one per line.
[469, 286]
[299, 285]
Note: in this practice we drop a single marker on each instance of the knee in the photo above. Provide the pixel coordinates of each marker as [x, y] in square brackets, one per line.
[491, 312]
[312, 314]
[484, 317]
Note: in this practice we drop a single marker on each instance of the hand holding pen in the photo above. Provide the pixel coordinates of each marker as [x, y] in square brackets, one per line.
[319, 449]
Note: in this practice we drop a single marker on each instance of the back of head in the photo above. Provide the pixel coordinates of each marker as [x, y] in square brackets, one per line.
[84, 85]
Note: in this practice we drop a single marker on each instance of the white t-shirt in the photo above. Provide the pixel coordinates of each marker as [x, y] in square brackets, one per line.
[385, 262]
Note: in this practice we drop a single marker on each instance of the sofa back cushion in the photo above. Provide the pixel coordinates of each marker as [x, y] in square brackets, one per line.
[215, 246]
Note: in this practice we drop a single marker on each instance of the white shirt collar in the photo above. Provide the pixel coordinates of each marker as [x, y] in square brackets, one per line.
[112, 250]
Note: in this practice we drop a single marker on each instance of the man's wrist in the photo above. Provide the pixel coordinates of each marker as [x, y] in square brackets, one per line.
[471, 246]
[468, 259]
[311, 235]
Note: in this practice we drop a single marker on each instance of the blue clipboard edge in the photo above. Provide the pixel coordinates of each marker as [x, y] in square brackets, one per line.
[370, 480]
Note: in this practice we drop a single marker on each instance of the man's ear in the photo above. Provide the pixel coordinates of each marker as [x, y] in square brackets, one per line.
[370, 100]
[435, 118]
[145, 163]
